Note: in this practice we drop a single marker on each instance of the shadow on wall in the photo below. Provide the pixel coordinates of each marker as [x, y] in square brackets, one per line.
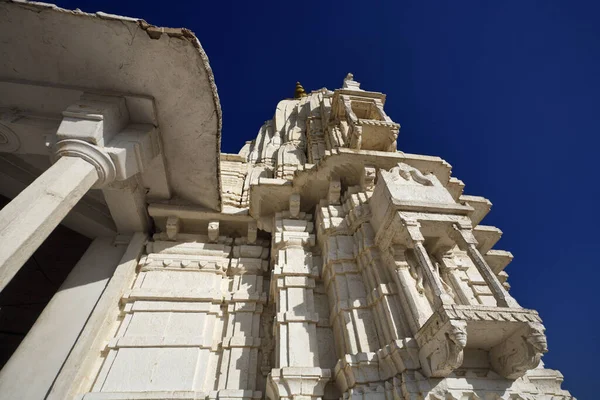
[25, 297]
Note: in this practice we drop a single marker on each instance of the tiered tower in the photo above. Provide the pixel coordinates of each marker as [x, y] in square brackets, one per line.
[339, 268]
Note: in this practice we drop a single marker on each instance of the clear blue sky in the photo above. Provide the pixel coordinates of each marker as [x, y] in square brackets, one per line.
[508, 92]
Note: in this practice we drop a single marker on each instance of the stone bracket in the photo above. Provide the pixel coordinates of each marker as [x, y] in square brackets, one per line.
[521, 352]
[297, 382]
[133, 148]
[442, 352]
[514, 339]
[94, 119]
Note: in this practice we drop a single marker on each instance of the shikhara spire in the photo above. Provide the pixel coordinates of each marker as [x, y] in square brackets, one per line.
[388, 249]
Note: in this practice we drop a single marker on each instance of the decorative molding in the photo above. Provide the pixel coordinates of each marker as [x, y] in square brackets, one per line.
[95, 155]
[9, 140]
[442, 352]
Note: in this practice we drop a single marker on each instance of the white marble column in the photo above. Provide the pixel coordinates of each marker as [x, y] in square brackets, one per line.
[466, 241]
[31, 371]
[440, 297]
[30, 217]
[417, 307]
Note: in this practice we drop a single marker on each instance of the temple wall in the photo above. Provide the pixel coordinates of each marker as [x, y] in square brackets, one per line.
[191, 323]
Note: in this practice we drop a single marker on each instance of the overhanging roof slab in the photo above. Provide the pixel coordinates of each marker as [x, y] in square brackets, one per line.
[102, 53]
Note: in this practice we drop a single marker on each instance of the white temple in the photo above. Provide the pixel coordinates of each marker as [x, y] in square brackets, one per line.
[317, 263]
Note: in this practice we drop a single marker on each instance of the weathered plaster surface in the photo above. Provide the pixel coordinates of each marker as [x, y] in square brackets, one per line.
[122, 56]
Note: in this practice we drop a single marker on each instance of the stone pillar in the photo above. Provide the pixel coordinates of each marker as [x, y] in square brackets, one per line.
[455, 270]
[417, 307]
[241, 340]
[297, 374]
[30, 217]
[81, 160]
[413, 228]
[467, 242]
[32, 369]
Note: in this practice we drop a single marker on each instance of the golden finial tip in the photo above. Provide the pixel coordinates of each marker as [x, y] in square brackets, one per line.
[299, 92]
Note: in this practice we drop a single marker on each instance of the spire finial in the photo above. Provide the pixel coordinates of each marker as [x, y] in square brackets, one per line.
[299, 92]
[350, 83]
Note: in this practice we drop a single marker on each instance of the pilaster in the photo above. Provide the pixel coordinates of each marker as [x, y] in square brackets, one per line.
[416, 240]
[466, 241]
[297, 374]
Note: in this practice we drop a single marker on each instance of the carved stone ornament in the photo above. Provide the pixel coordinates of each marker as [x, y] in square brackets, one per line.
[442, 353]
[9, 141]
[172, 227]
[213, 231]
[295, 205]
[520, 352]
[367, 178]
[409, 173]
[95, 155]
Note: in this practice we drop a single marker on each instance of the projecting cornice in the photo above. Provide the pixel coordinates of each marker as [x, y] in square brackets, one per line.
[47, 49]
[312, 181]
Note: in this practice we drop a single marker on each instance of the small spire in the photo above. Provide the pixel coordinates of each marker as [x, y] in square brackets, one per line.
[350, 83]
[299, 92]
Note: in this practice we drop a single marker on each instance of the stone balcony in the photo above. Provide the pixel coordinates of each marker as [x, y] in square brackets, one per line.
[373, 134]
[475, 322]
[513, 339]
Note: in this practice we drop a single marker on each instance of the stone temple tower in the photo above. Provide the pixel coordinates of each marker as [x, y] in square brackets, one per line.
[382, 284]
[318, 263]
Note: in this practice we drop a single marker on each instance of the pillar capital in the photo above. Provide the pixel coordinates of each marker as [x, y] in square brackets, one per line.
[413, 229]
[297, 383]
[98, 129]
[94, 118]
[126, 155]
[94, 155]
[466, 241]
[463, 235]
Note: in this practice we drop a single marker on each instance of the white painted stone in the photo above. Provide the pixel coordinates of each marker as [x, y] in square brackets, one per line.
[321, 264]
[79, 367]
[95, 64]
[390, 290]
[28, 219]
